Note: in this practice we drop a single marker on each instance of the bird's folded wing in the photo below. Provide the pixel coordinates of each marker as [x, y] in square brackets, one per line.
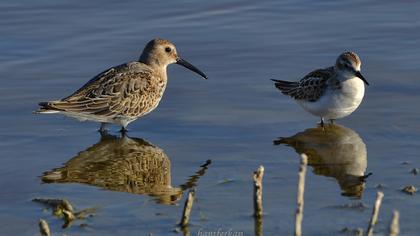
[309, 88]
[117, 91]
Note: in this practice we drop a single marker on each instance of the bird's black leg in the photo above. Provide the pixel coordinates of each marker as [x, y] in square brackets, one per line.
[102, 129]
[332, 121]
[322, 122]
[123, 130]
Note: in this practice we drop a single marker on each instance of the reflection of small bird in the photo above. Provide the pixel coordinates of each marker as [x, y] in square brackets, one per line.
[123, 164]
[330, 93]
[333, 151]
[123, 93]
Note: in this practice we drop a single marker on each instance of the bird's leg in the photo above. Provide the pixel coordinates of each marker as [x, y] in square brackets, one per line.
[332, 121]
[103, 127]
[103, 130]
[123, 130]
[322, 122]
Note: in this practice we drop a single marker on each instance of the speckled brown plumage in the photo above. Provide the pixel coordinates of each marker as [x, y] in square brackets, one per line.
[123, 93]
[130, 90]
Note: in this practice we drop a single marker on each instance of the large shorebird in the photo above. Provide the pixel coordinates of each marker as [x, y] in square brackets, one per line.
[123, 93]
[329, 93]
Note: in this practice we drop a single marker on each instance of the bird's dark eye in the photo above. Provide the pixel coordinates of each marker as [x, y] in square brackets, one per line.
[168, 49]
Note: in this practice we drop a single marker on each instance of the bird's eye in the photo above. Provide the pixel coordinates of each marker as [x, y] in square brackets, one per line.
[168, 49]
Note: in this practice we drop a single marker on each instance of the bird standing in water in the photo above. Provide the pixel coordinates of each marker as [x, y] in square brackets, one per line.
[330, 93]
[123, 93]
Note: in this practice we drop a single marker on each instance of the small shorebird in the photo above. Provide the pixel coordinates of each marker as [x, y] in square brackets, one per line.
[123, 93]
[329, 93]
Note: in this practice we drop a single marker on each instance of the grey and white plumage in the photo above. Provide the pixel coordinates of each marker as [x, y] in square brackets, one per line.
[125, 92]
[329, 93]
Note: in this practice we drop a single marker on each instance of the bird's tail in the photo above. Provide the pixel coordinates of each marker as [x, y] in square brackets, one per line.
[283, 140]
[286, 87]
[47, 108]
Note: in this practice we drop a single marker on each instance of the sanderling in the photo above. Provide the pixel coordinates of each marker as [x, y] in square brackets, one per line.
[329, 93]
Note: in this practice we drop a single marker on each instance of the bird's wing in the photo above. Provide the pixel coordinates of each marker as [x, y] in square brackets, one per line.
[116, 91]
[309, 88]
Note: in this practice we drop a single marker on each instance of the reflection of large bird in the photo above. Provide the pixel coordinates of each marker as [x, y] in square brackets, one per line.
[122, 164]
[333, 151]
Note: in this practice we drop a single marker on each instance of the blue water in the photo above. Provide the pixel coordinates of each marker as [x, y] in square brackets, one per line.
[50, 48]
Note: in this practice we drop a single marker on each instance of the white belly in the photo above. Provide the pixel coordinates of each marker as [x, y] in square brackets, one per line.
[335, 104]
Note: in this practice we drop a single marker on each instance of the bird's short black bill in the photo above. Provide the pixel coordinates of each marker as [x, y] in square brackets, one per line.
[187, 65]
[358, 74]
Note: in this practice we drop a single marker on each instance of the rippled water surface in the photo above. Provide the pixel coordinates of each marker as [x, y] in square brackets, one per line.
[236, 119]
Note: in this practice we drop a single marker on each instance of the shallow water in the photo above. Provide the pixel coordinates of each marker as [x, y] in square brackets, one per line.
[50, 48]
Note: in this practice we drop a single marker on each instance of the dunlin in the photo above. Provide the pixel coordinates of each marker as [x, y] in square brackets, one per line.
[329, 93]
[123, 93]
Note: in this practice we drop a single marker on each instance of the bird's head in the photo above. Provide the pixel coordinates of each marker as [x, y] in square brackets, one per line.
[161, 53]
[349, 62]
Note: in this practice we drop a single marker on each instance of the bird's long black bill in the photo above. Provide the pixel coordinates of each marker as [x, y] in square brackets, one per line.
[187, 65]
[358, 74]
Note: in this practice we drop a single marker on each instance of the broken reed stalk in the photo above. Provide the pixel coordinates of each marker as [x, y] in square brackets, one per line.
[187, 208]
[68, 218]
[258, 206]
[301, 189]
[186, 231]
[375, 213]
[258, 226]
[44, 229]
[394, 228]
[258, 188]
[67, 206]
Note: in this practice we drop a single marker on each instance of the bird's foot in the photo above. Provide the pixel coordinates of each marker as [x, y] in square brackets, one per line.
[123, 131]
[322, 123]
[102, 130]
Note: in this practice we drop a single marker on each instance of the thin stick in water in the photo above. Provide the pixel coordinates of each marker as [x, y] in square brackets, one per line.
[394, 228]
[375, 213]
[258, 205]
[68, 218]
[301, 189]
[44, 229]
[187, 208]
[258, 188]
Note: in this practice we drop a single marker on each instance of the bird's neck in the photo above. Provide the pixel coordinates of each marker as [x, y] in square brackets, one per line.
[151, 60]
[343, 75]
[155, 64]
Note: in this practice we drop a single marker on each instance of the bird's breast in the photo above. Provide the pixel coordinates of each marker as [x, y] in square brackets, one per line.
[351, 90]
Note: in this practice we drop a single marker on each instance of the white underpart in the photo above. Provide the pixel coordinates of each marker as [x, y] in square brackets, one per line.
[47, 112]
[335, 104]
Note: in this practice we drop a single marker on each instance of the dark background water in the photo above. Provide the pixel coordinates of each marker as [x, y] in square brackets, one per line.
[50, 48]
